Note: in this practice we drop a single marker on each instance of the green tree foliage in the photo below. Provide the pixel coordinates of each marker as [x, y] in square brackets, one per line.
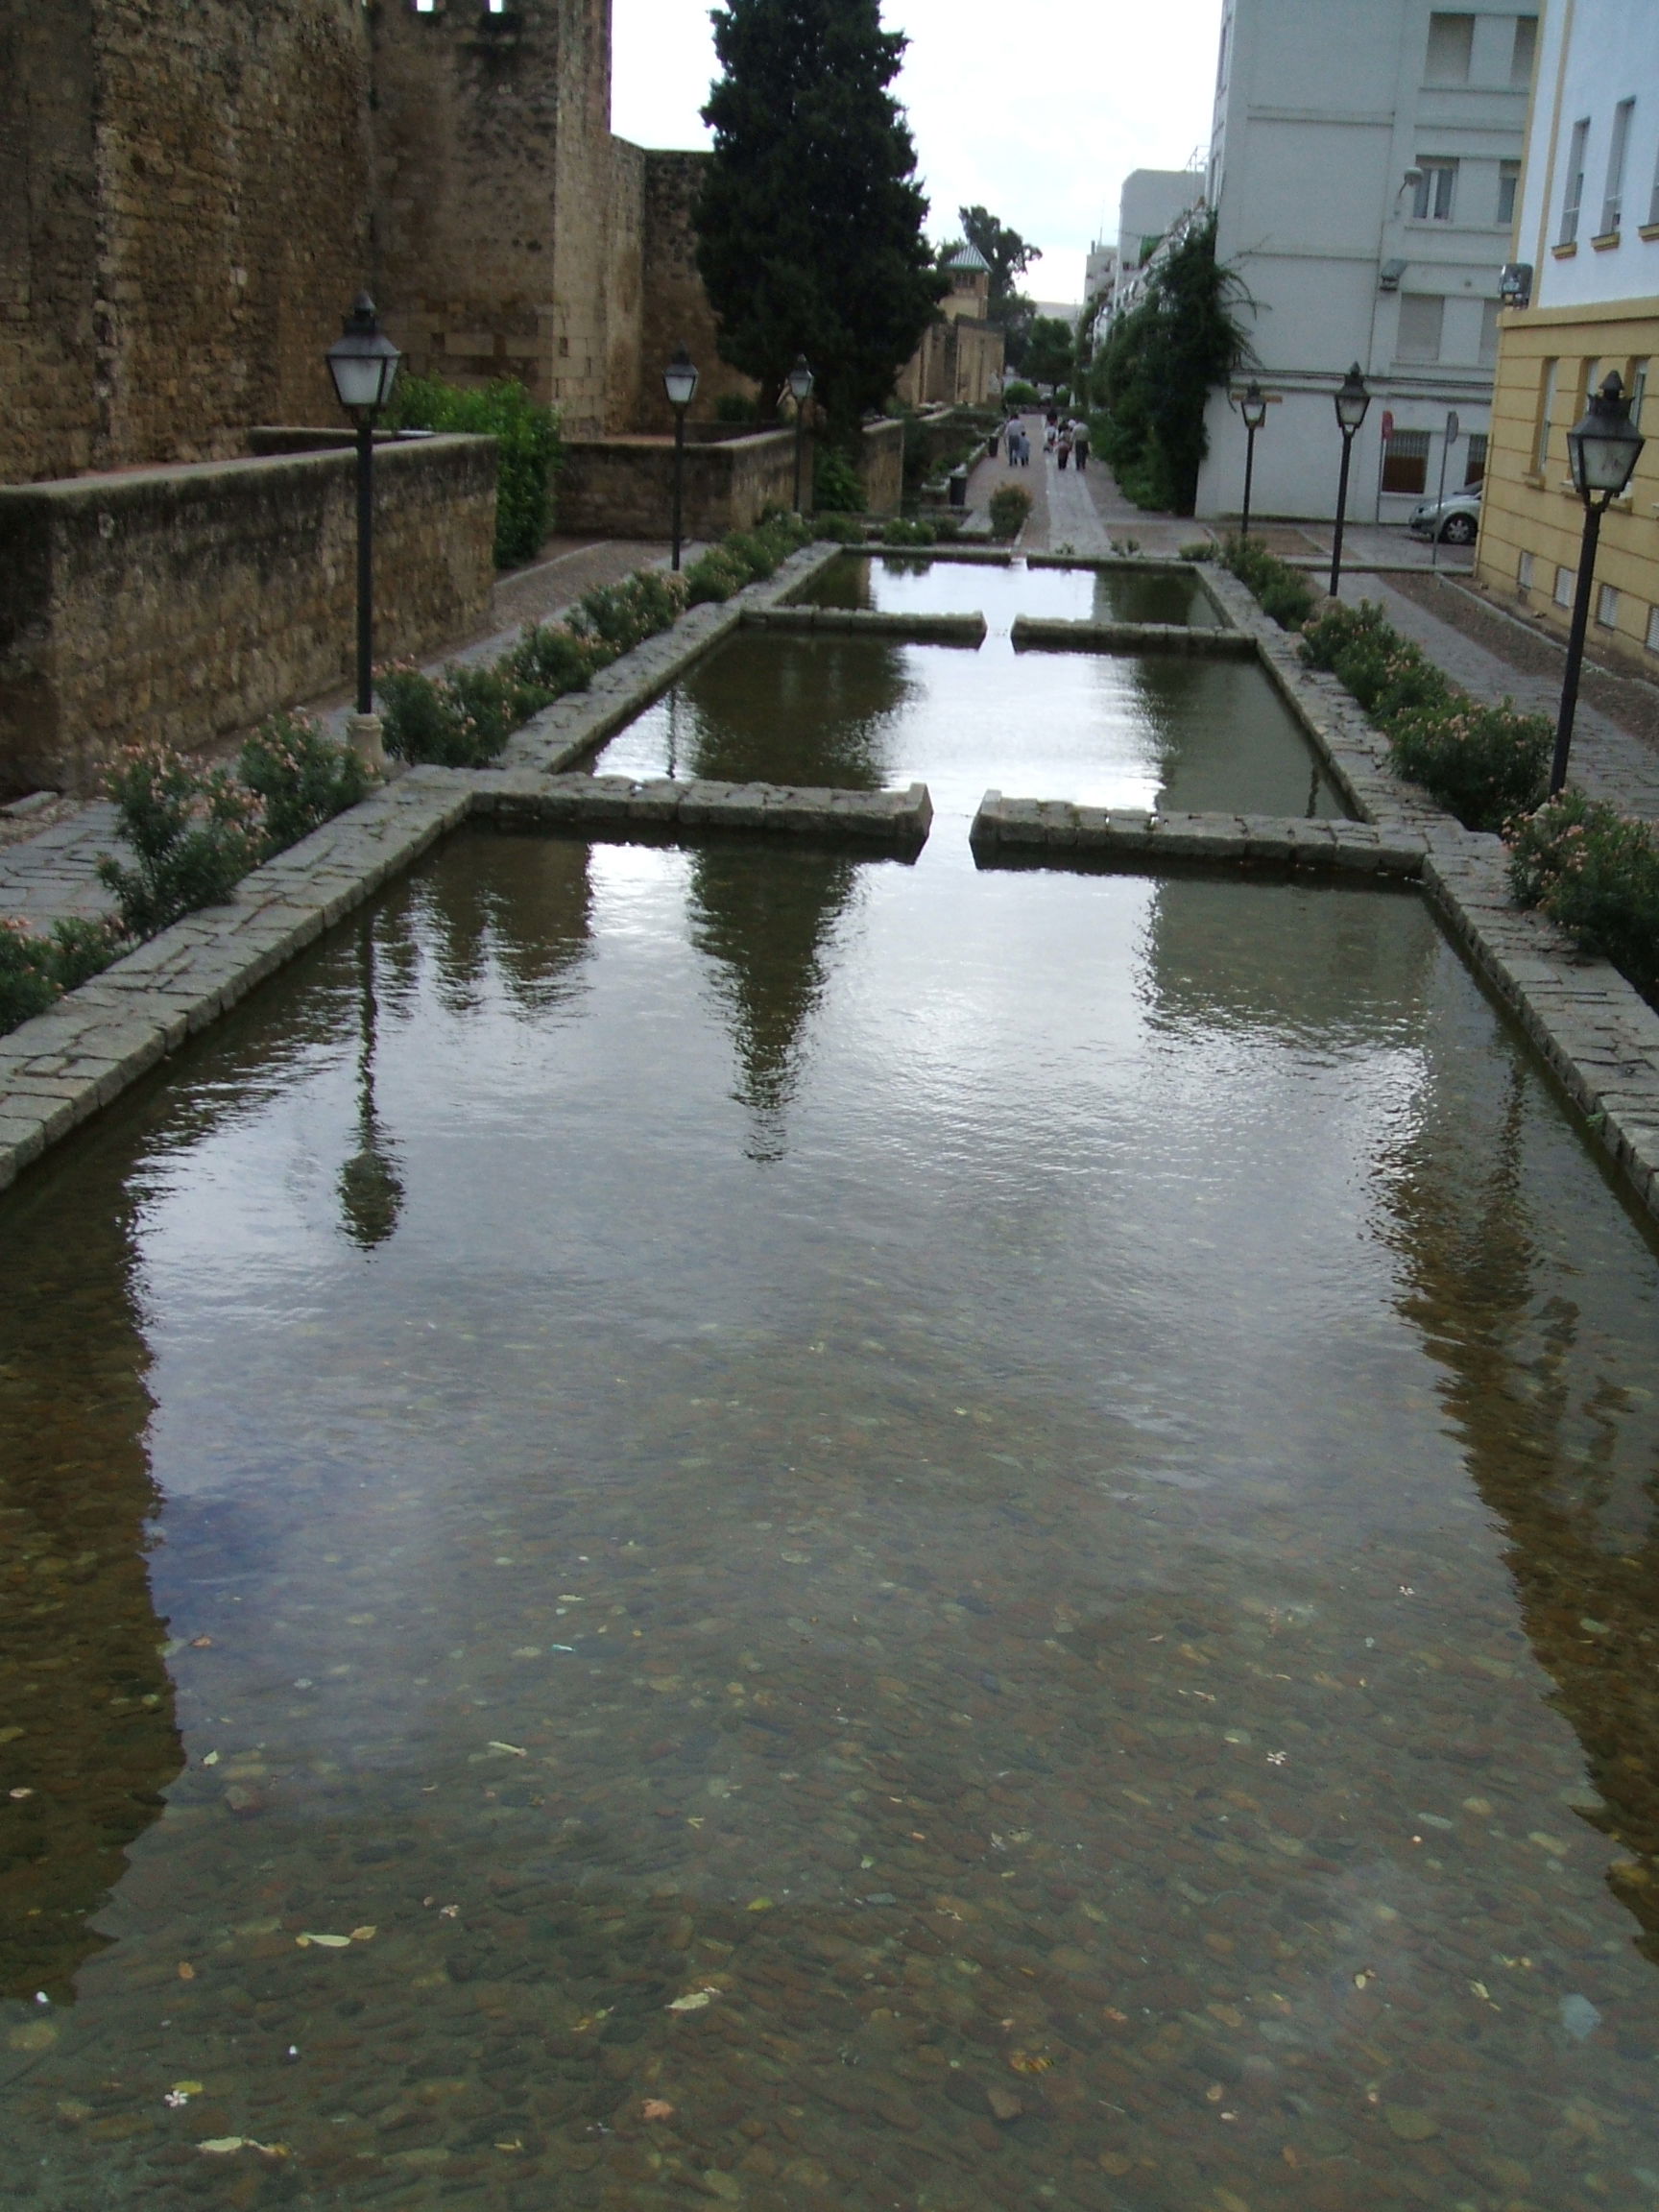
[1158, 365]
[1051, 351]
[1009, 257]
[809, 223]
[527, 444]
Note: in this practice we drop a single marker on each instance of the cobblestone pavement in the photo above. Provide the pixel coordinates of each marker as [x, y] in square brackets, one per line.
[51, 875]
[1610, 761]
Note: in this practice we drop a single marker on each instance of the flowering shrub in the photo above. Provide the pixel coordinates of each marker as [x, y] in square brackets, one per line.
[35, 972]
[623, 615]
[1284, 593]
[302, 777]
[195, 833]
[749, 556]
[1596, 872]
[460, 719]
[903, 532]
[1482, 764]
[552, 659]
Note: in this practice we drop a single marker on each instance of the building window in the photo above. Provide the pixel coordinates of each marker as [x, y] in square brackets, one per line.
[1474, 468]
[1565, 579]
[1607, 606]
[1508, 183]
[1436, 191]
[1546, 408]
[1653, 629]
[1573, 191]
[1613, 198]
[1405, 463]
[1489, 333]
[1524, 576]
[1450, 46]
[1421, 320]
[1525, 48]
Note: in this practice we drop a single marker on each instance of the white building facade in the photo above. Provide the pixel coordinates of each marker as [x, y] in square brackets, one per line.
[1364, 169]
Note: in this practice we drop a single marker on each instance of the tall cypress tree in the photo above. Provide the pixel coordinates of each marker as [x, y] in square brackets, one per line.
[809, 222]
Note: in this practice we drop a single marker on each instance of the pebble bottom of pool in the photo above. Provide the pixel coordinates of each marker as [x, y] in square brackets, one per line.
[748, 1527]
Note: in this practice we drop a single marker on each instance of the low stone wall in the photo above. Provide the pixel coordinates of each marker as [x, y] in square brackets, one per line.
[186, 604]
[1033, 633]
[1131, 837]
[624, 486]
[881, 466]
[659, 806]
[865, 622]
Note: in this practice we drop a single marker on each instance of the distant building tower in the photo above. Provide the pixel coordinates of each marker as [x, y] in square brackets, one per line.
[959, 361]
[1363, 169]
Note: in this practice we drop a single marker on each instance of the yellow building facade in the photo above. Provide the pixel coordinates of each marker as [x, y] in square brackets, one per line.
[1586, 242]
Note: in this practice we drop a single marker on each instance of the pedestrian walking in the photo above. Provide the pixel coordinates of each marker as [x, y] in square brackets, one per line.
[1063, 447]
[1080, 445]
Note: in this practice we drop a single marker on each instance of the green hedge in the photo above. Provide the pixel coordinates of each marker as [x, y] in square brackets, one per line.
[749, 556]
[529, 450]
[1482, 763]
[1009, 506]
[1281, 591]
[1596, 872]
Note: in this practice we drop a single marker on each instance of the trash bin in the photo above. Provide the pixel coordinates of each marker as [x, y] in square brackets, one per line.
[960, 486]
[991, 444]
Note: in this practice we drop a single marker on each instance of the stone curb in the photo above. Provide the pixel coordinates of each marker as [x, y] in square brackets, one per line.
[1594, 1030]
[1033, 633]
[617, 806]
[1132, 838]
[855, 621]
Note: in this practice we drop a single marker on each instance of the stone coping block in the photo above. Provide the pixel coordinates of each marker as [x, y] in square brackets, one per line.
[1036, 633]
[953, 549]
[1132, 837]
[659, 806]
[970, 630]
[1130, 564]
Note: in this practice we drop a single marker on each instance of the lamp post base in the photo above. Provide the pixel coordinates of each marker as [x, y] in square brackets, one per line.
[362, 732]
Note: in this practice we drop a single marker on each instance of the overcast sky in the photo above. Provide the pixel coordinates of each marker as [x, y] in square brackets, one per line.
[1039, 118]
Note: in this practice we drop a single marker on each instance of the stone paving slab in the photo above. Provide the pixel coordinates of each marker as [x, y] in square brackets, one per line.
[1131, 837]
[920, 628]
[1033, 633]
[606, 806]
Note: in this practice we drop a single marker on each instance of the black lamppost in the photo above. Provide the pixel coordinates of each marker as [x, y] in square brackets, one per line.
[800, 391]
[1602, 450]
[679, 382]
[1253, 407]
[364, 365]
[1352, 402]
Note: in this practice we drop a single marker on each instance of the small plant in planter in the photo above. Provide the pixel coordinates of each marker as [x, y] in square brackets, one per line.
[35, 972]
[1597, 872]
[301, 775]
[195, 833]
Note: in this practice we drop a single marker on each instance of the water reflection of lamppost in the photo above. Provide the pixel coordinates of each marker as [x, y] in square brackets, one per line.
[1353, 401]
[1602, 450]
[371, 1189]
[679, 382]
[363, 363]
[1253, 408]
[801, 381]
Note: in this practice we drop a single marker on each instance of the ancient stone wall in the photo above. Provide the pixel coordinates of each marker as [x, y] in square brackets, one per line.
[185, 604]
[184, 221]
[624, 486]
[676, 307]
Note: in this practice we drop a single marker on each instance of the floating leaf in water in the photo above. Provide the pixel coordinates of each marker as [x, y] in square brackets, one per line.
[221, 2145]
[693, 2001]
[517, 1749]
[656, 2108]
[328, 1943]
[364, 1935]
[1579, 2017]
[1029, 2063]
[186, 1972]
[761, 1905]
[210, 1759]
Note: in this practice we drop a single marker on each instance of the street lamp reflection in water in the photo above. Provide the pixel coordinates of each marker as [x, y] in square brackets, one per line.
[370, 1188]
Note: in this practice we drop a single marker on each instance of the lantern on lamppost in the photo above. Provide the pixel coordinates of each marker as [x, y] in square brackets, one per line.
[363, 363]
[1602, 450]
[1353, 401]
[1253, 412]
[801, 382]
[679, 383]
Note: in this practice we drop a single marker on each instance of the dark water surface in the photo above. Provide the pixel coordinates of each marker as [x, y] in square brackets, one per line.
[867, 1537]
[1100, 730]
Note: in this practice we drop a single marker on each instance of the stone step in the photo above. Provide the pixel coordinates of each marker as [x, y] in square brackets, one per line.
[1136, 839]
[861, 622]
[1034, 633]
[619, 805]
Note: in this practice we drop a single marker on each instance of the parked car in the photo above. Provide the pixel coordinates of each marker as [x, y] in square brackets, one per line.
[1454, 520]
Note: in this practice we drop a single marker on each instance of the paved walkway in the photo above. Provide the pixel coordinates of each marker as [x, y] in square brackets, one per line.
[1610, 761]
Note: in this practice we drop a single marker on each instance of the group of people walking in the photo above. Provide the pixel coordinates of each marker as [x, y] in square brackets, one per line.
[1066, 441]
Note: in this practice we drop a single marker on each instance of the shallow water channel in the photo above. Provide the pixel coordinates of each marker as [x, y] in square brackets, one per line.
[1107, 730]
[820, 1533]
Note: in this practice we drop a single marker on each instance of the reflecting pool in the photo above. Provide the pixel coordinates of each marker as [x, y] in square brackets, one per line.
[908, 585]
[1102, 730]
[829, 1534]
